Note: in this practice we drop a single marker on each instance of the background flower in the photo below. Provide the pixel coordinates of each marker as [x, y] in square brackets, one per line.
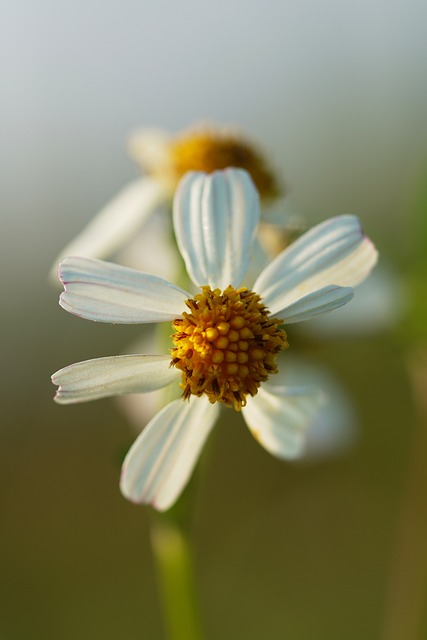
[164, 159]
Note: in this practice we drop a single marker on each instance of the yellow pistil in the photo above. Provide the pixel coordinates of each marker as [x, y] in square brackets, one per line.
[226, 345]
[210, 149]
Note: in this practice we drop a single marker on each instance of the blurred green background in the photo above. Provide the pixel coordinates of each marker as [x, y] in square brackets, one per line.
[337, 92]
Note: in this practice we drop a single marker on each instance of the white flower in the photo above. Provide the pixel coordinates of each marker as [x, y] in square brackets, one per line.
[226, 337]
[163, 160]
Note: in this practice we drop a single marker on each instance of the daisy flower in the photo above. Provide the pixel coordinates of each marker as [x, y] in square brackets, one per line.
[164, 159]
[226, 338]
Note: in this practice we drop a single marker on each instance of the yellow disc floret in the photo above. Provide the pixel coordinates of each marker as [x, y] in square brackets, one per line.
[226, 345]
[209, 150]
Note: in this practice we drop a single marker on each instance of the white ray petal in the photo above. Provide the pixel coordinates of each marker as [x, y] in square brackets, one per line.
[335, 252]
[258, 261]
[379, 303]
[139, 408]
[152, 249]
[279, 417]
[107, 292]
[334, 427]
[314, 304]
[150, 148]
[161, 460]
[116, 375]
[117, 221]
[215, 217]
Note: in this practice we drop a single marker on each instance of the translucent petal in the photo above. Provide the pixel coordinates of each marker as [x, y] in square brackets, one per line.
[279, 416]
[150, 148]
[107, 292]
[334, 427]
[379, 303]
[161, 460]
[335, 252]
[315, 304]
[117, 221]
[116, 375]
[215, 217]
[152, 250]
[258, 261]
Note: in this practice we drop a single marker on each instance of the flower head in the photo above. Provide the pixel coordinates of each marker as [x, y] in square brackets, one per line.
[226, 346]
[225, 337]
[202, 147]
[164, 159]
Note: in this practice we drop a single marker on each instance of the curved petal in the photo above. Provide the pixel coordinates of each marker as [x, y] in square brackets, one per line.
[215, 217]
[334, 427]
[379, 304]
[139, 408]
[152, 249]
[335, 252]
[117, 222]
[107, 292]
[161, 460]
[315, 304]
[103, 377]
[278, 417]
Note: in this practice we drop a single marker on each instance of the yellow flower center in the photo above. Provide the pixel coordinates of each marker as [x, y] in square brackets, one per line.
[226, 345]
[209, 151]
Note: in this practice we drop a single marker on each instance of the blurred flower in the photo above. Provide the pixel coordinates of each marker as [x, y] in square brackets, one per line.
[226, 344]
[163, 160]
[379, 303]
[203, 147]
[334, 427]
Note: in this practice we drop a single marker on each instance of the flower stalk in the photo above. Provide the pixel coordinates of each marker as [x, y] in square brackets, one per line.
[174, 566]
[408, 580]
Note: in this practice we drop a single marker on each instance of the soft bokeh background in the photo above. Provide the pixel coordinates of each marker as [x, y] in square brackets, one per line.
[337, 92]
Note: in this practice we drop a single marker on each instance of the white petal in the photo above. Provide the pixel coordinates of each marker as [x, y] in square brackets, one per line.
[279, 417]
[161, 460]
[258, 261]
[153, 250]
[334, 427]
[215, 217]
[150, 148]
[379, 304]
[116, 223]
[335, 252]
[112, 376]
[316, 304]
[139, 408]
[107, 292]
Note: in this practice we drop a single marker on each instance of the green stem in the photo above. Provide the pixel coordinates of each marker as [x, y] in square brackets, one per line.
[173, 559]
[408, 583]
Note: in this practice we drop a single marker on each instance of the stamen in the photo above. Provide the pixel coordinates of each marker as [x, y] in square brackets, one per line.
[226, 346]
